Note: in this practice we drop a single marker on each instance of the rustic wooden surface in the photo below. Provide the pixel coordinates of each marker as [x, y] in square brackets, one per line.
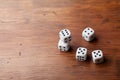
[29, 36]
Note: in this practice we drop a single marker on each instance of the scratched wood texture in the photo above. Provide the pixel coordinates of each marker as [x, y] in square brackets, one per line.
[29, 36]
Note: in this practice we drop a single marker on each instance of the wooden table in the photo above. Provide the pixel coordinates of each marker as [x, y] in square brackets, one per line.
[29, 36]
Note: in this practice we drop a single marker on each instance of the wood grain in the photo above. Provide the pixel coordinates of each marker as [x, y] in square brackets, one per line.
[29, 36]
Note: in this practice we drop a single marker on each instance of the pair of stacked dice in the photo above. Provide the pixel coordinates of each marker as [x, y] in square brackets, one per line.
[81, 54]
[64, 41]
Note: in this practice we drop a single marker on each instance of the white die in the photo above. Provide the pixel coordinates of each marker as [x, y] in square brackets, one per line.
[65, 35]
[81, 54]
[63, 46]
[97, 56]
[88, 34]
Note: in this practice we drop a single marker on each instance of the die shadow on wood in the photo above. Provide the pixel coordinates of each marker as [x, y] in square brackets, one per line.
[88, 60]
[70, 50]
[103, 63]
[106, 62]
[95, 40]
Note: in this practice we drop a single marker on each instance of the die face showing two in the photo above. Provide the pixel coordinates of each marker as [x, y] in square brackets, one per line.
[65, 35]
[63, 46]
[97, 56]
[81, 54]
[88, 34]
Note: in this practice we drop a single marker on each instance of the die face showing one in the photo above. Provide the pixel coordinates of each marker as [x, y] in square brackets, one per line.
[88, 34]
[97, 56]
[65, 35]
[81, 54]
[63, 46]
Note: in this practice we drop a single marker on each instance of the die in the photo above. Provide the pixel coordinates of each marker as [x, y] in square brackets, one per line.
[97, 56]
[81, 54]
[63, 46]
[88, 34]
[65, 35]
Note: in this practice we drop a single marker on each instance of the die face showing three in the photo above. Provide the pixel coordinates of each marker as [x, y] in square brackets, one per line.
[63, 46]
[97, 56]
[88, 34]
[81, 54]
[65, 35]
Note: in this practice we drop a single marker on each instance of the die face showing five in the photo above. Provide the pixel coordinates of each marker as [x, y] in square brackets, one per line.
[88, 34]
[81, 54]
[65, 35]
[63, 46]
[97, 56]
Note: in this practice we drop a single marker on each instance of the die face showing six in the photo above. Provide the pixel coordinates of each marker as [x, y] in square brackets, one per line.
[63, 46]
[88, 34]
[65, 35]
[97, 56]
[81, 54]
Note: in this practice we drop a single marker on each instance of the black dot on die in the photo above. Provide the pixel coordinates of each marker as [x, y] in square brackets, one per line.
[82, 53]
[98, 51]
[78, 52]
[95, 56]
[94, 52]
[67, 33]
[99, 54]
[85, 31]
[83, 49]
[91, 31]
[88, 29]
[63, 47]
[63, 33]
[88, 33]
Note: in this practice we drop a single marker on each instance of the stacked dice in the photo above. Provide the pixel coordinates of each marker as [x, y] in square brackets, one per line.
[64, 41]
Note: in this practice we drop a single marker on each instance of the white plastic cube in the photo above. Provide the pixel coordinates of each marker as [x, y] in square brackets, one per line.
[81, 54]
[63, 46]
[88, 34]
[65, 35]
[97, 56]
